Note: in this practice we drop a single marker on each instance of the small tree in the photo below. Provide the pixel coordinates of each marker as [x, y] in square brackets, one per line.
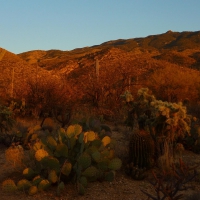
[51, 98]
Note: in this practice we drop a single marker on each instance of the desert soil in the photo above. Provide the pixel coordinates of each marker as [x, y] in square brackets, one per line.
[123, 187]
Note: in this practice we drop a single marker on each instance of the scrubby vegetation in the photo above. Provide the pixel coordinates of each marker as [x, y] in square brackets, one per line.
[55, 123]
[84, 150]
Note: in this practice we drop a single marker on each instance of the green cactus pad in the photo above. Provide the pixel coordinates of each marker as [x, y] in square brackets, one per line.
[61, 150]
[23, 184]
[96, 143]
[61, 135]
[73, 130]
[38, 145]
[52, 176]
[103, 164]
[84, 160]
[110, 176]
[44, 185]
[105, 153]
[91, 149]
[40, 154]
[51, 142]
[106, 140]
[72, 142]
[77, 129]
[66, 168]
[115, 164]
[91, 136]
[50, 162]
[28, 173]
[90, 172]
[36, 180]
[81, 138]
[70, 131]
[32, 190]
[96, 156]
[9, 186]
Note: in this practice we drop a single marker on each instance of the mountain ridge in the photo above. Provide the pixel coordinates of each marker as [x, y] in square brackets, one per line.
[142, 55]
[156, 44]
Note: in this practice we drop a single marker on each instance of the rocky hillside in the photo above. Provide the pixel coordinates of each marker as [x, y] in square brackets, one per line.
[15, 72]
[141, 55]
[179, 48]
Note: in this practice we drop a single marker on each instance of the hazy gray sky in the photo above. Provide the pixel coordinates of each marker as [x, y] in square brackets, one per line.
[68, 24]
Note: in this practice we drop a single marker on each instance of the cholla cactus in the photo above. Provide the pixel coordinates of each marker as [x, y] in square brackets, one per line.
[161, 118]
[127, 96]
[165, 122]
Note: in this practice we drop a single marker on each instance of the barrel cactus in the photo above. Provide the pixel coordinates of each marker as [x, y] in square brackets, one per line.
[141, 149]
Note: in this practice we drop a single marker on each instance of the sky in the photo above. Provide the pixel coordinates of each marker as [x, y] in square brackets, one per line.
[27, 25]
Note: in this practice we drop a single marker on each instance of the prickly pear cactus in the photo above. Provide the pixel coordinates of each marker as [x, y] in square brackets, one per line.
[44, 185]
[23, 184]
[90, 172]
[73, 130]
[28, 173]
[40, 154]
[71, 155]
[52, 176]
[32, 190]
[115, 164]
[9, 186]
[66, 168]
[106, 140]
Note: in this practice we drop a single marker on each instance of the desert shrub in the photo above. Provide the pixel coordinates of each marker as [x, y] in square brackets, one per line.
[168, 185]
[174, 84]
[51, 98]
